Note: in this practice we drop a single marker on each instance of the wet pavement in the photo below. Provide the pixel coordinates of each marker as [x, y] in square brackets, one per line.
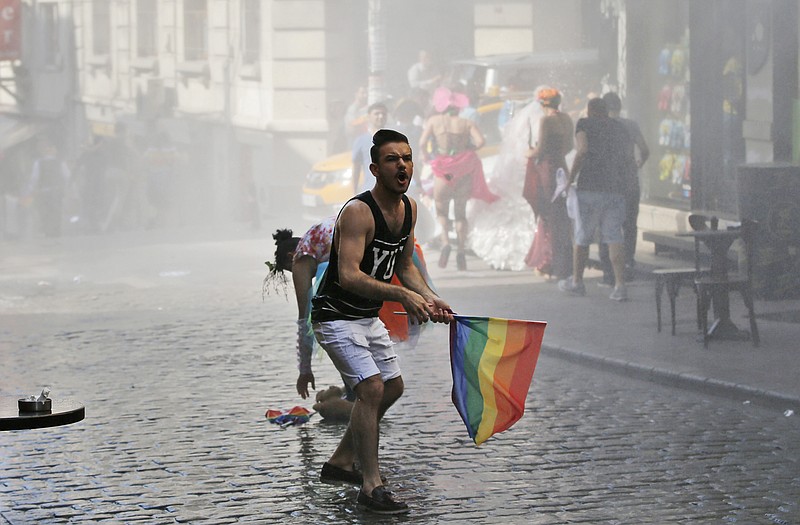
[177, 357]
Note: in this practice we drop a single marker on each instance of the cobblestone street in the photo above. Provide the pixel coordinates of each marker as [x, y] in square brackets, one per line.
[177, 369]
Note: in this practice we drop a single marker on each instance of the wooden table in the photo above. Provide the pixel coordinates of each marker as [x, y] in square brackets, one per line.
[64, 412]
[718, 243]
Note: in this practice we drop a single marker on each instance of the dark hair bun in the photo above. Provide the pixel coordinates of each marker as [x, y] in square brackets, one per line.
[282, 235]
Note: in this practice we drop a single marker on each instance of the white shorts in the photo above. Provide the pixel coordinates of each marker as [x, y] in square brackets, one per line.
[359, 349]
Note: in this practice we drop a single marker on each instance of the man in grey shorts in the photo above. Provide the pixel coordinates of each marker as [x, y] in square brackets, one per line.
[600, 166]
[373, 238]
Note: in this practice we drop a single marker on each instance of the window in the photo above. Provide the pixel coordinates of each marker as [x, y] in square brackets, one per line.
[51, 49]
[101, 27]
[146, 28]
[251, 31]
[195, 29]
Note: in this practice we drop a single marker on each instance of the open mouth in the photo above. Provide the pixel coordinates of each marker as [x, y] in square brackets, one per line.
[402, 176]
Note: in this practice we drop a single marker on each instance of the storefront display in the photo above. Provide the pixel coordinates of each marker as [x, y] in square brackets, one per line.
[671, 103]
[658, 97]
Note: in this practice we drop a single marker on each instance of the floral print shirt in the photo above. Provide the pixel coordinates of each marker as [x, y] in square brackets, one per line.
[317, 241]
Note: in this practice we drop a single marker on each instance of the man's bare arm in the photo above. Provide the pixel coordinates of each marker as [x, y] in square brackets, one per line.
[410, 275]
[438, 310]
[355, 227]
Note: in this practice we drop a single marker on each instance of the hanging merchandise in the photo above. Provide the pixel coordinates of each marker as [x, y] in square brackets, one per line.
[673, 129]
[665, 166]
[664, 59]
[677, 99]
[665, 98]
[677, 62]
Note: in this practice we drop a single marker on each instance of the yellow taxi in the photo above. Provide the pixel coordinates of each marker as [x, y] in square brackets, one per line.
[328, 185]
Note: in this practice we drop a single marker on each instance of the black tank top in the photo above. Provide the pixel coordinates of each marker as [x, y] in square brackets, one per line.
[332, 302]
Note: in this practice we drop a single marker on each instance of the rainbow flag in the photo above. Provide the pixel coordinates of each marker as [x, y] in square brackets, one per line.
[285, 418]
[492, 361]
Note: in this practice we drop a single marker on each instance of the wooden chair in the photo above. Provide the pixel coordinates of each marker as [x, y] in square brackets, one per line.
[673, 278]
[741, 281]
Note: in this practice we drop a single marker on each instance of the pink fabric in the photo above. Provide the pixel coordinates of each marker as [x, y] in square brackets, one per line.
[538, 189]
[540, 255]
[443, 98]
[539, 185]
[452, 168]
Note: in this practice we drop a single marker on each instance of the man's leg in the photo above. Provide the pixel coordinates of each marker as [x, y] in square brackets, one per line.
[345, 454]
[584, 233]
[579, 258]
[374, 399]
[617, 254]
[460, 197]
[364, 429]
[612, 233]
[562, 241]
[605, 263]
[444, 224]
[461, 243]
[629, 227]
[442, 210]
[441, 198]
[461, 235]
